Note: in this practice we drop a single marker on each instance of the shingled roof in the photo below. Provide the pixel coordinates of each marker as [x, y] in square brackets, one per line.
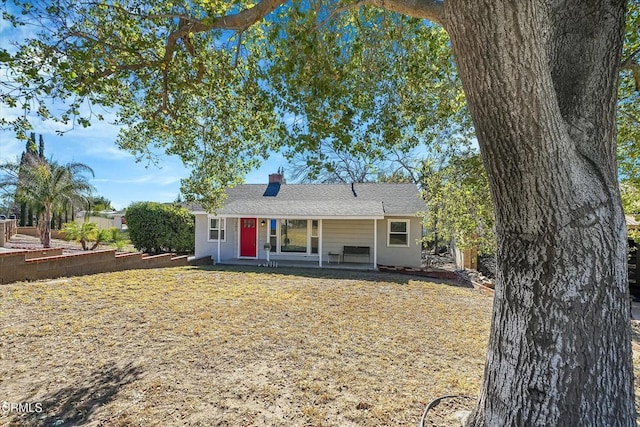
[374, 200]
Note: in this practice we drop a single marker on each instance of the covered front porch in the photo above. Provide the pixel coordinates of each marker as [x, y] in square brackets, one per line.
[346, 243]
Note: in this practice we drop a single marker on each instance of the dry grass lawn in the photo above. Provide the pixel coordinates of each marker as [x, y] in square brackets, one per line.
[213, 347]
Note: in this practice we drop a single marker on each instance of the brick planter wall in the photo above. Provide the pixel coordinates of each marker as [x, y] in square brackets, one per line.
[8, 229]
[52, 263]
[33, 232]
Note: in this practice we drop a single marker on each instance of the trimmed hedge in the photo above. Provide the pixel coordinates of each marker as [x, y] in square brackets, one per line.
[157, 228]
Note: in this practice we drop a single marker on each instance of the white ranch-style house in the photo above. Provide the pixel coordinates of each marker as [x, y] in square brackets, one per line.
[368, 224]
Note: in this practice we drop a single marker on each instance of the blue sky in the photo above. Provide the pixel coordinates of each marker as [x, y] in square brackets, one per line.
[118, 176]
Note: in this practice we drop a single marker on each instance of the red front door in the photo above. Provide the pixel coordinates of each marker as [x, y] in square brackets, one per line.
[248, 235]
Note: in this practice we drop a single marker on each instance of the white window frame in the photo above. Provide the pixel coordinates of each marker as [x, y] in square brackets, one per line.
[221, 221]
[310, 236]
[274, 232]
[408, 223]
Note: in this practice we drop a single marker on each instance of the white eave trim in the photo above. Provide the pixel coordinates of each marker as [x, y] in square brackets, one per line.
[259, 215]
[414, 214]
[254, 215]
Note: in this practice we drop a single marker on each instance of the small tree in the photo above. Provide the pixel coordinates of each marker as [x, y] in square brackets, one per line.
[86, 233]
[459, 205]
[157, 228]
[630, 192]
[97, 204]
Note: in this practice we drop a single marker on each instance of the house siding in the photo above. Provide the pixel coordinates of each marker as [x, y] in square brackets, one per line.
[339, 233]
[410, 256]
[335, 235]
[204, 247]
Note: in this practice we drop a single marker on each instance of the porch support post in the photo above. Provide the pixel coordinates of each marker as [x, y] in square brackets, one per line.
[268, 253]
[320, 243]
[375, 244]
[238, 238]
[219, 232]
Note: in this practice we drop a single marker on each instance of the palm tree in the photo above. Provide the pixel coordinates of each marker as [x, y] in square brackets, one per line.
[50, 186]
[9, 172]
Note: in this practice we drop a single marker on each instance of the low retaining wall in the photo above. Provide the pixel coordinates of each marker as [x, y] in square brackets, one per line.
[52, 263]
[8, 229]
[33, 232]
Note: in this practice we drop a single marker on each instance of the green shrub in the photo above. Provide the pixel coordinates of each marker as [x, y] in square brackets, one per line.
[157, 228]
[114, 235]
[85, 234]
[119, 245]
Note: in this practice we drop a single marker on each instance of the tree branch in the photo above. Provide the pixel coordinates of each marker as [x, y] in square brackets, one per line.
[337, 11]
[631, 64]
[635, 70]
[629, 59]
[241, 20]
[238, 46]
[189, 25]
[433, 10]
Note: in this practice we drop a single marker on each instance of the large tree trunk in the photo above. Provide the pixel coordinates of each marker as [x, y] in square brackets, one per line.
[23, 214]
[30, 216]
[541, 79]
[45, 227]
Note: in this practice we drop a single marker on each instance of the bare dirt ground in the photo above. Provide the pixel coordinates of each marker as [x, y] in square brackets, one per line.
[238, 347]
[24, 242]
[208, 347]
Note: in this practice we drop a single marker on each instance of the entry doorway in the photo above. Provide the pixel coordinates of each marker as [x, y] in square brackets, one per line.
[248, 237]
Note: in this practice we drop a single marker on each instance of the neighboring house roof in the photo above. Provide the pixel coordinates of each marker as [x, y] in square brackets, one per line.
[373, 200]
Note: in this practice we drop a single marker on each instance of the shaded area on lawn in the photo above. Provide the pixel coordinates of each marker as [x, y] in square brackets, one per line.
[75, 405]
[327, 273]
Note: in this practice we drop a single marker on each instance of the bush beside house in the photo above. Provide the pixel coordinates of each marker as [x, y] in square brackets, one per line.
[158, 228]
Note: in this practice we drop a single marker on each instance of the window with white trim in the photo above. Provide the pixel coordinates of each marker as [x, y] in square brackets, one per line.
[217, 228]
[293, 235]
[398, 233]
[314, 236]
[273, 234]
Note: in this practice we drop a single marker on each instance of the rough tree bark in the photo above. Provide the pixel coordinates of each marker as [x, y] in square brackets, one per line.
[44, 227]
[540, 79]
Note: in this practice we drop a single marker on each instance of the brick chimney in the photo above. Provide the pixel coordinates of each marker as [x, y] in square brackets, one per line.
[277, 177]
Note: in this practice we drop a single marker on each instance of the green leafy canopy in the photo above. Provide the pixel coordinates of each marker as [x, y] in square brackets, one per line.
[629, 99]
[223, 93]
[222, 84]
[629, 114]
